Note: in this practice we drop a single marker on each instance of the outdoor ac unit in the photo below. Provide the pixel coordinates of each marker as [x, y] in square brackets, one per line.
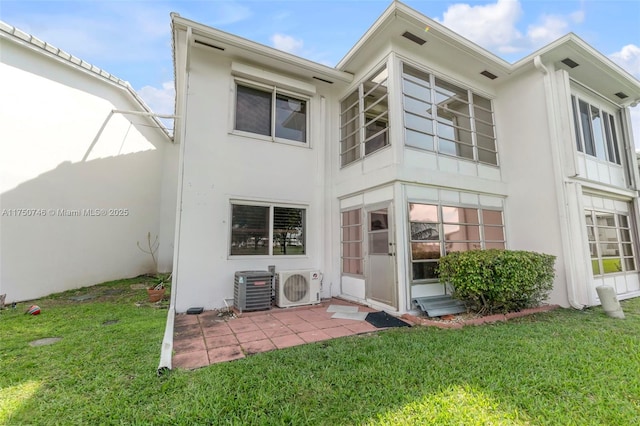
[252, 290]
[295, 288]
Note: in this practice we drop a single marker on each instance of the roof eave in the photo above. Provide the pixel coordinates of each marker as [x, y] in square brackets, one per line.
[253, 49]
[399, 10]
[571, 43]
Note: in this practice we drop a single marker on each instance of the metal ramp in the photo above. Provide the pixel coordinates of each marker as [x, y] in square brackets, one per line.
[436, 306]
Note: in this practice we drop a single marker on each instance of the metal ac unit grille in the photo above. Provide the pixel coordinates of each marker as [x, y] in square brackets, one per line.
[252, 290]
[296, 288]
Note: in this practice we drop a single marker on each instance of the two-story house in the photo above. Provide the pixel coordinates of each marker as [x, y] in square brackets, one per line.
[418, 143]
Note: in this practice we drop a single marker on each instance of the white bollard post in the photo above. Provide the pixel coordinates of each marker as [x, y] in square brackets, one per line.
[609, 301]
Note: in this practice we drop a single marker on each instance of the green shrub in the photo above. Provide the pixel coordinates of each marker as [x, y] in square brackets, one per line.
[490, 281]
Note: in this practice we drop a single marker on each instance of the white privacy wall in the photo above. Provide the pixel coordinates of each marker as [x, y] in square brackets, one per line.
[79, 186]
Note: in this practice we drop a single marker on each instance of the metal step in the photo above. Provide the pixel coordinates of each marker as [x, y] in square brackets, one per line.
[436, 306]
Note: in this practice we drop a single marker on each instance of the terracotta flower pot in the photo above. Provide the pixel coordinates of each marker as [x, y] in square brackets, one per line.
[155, 295]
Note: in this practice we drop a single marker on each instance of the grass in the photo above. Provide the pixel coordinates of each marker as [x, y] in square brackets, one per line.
[559, 368]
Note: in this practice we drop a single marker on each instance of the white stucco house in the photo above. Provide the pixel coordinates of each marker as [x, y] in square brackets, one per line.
[358, 176]
[416, 144]
[86, 171]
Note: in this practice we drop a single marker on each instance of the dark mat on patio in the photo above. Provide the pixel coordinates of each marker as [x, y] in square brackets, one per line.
[384, 320]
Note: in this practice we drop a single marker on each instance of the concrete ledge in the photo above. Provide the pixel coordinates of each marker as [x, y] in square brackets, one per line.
[489, 319]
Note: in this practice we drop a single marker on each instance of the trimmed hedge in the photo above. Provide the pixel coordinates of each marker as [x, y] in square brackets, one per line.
[490, 281]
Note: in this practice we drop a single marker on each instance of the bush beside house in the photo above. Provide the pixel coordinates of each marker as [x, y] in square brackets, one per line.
[491, 281]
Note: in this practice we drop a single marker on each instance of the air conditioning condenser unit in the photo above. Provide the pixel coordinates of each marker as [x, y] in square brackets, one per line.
[296, 288]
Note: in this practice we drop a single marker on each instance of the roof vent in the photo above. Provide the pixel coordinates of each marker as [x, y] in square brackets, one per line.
[414, 38]
[323, 80]
[570, 63]
[489, 75]
[622, 95]
[208, 45]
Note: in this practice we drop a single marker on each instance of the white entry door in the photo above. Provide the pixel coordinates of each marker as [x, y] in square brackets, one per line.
[380, 275]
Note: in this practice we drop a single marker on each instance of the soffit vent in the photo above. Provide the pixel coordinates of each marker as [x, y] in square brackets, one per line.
[323, 80]
[622, 95]
[414, 38]
[208, 45]
[570, 62]
[489, 75]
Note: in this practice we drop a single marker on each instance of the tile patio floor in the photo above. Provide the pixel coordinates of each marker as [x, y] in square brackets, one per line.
[204, 339]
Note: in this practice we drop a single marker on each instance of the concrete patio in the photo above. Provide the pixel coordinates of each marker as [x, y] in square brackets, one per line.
[204, 339]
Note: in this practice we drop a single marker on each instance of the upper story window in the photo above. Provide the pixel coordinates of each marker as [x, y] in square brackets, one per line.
[270, 112]
[595, 131]
[364, 119]
[442, 117]
[262, 229]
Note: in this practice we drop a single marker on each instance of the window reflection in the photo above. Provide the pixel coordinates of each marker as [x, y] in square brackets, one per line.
[437, 230]
[610, 242]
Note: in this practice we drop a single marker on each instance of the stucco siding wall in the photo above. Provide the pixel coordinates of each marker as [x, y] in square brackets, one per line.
[532, 212]
[79, 186]
[220, 167]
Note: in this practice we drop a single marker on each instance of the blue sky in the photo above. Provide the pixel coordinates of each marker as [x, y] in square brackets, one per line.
[132, 39]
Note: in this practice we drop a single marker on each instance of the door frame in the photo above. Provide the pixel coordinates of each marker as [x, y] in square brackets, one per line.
[391, 253]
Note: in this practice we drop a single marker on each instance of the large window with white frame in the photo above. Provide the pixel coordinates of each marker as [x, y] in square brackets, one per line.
[364, 119]
[436, 230]
[267, 230]
[351, 256]
[270, 112]
[610, 242]
[442, 117]
[595, 130]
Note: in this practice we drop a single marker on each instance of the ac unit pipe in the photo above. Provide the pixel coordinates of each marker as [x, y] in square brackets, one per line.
[610, 302]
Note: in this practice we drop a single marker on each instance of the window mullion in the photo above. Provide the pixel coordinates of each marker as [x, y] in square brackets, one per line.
[483, 242]
[596, 233]
[362, 120]
[434, 112]
[577, 128]
[271, 219]
[273, 115]
[472, 119]
[620, 245]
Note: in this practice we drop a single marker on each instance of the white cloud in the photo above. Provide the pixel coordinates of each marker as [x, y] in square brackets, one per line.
[491, 25]
[577, 17]
[229, 12]
[550, 28]
[287, 43]
[160, 100]
[628, 58]
[494, 26]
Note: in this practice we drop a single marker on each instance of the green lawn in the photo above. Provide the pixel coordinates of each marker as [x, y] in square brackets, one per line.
[560, 368]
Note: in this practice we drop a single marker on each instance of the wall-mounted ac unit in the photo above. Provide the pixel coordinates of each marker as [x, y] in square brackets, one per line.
[295, 288]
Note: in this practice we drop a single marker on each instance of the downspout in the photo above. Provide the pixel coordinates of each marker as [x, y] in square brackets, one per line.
[559, 180]
[167, 341]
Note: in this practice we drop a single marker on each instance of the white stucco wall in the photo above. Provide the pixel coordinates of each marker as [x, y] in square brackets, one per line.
[220, 167]
[532, 212]
[90, 181]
